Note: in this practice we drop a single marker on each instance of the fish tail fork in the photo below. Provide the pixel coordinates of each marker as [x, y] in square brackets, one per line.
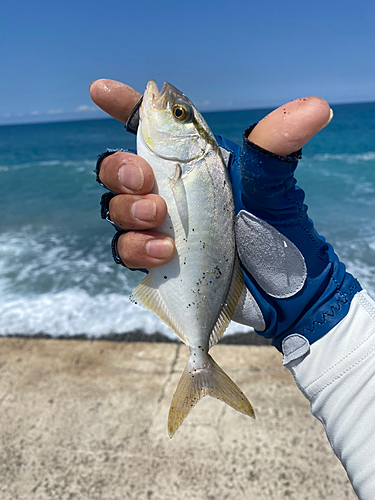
[195, 383]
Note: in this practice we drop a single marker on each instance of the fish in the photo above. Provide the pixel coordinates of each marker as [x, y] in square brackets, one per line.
[196, 292]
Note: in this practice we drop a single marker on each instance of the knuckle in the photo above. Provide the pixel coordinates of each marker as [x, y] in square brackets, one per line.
[108, 170]
[132, 250]
[127, 248]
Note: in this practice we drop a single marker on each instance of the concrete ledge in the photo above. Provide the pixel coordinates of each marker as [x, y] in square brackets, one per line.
[88, 420]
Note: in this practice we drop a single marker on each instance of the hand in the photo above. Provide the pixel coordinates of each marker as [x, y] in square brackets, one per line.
[285, 130]
[132, 178]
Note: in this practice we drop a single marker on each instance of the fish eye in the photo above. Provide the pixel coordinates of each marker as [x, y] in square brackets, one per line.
[181, 112]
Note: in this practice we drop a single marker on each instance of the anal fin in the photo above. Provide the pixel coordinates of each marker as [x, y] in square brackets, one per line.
[149, 297]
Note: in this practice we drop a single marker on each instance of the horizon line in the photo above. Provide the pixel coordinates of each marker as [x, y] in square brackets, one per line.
[256, 108]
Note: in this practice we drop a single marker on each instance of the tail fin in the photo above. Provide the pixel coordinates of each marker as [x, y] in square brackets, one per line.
[208, 381]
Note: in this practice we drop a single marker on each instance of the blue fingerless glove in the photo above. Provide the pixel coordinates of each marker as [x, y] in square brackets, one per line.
[297, 289]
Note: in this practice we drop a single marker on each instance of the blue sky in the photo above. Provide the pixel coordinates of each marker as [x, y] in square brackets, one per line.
[246, 55]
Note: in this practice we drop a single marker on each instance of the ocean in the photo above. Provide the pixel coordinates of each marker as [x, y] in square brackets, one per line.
[57, 277]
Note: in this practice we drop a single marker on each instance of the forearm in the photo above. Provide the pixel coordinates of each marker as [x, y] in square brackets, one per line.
[338, 378]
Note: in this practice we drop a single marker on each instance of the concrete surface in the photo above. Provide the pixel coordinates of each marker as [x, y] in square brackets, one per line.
[88, 420]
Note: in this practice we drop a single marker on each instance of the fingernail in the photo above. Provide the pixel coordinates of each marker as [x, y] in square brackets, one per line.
[160, 249]
[329, 118]
[330, 115]
[144, 210]
[131, 176]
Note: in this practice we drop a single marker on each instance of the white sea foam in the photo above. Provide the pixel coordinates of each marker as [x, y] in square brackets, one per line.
[74, 312]
[41, 260]
[48, 286]
[364, 274]
[358, 254]
[346, 157]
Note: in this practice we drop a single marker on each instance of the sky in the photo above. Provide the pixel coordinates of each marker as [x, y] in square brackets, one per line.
[222, 54]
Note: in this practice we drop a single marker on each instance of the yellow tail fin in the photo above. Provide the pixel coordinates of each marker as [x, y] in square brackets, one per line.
[210, 380]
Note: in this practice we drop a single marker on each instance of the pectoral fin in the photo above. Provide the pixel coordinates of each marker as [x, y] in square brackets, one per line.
[176, 177]
[179, 194]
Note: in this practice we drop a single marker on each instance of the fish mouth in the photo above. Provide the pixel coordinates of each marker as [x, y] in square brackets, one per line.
[160, 100]
[153, 98]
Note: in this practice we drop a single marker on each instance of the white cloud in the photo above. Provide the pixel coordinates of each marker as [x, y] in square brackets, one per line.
[202, 104]
[55, 111]
[34, 113]
[84, 107]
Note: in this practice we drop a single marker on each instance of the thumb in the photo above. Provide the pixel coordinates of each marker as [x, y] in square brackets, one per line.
[289, 127]
[115, 98]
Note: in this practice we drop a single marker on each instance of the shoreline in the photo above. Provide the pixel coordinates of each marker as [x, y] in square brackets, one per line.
[250, 338]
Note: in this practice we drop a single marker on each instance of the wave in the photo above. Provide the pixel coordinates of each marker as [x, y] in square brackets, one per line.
[51, 284]
[74, 312]
[55, 285]
[345, 157]
[66, 284]
[77, 165]
[39, 261]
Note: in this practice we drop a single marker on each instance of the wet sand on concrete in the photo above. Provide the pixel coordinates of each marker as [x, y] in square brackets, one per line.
[88, 420]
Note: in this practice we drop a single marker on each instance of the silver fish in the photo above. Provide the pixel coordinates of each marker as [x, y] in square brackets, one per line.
[196, 292]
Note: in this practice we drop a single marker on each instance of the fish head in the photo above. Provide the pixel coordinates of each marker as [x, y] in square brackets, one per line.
[170, 125]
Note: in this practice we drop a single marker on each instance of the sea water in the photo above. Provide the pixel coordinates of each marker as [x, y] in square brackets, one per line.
[57, 276]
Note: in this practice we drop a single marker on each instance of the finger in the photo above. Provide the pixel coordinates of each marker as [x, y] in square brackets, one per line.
[115, 98]
[137, 212]
[144, 250]
[126, 173]
[291, 126]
